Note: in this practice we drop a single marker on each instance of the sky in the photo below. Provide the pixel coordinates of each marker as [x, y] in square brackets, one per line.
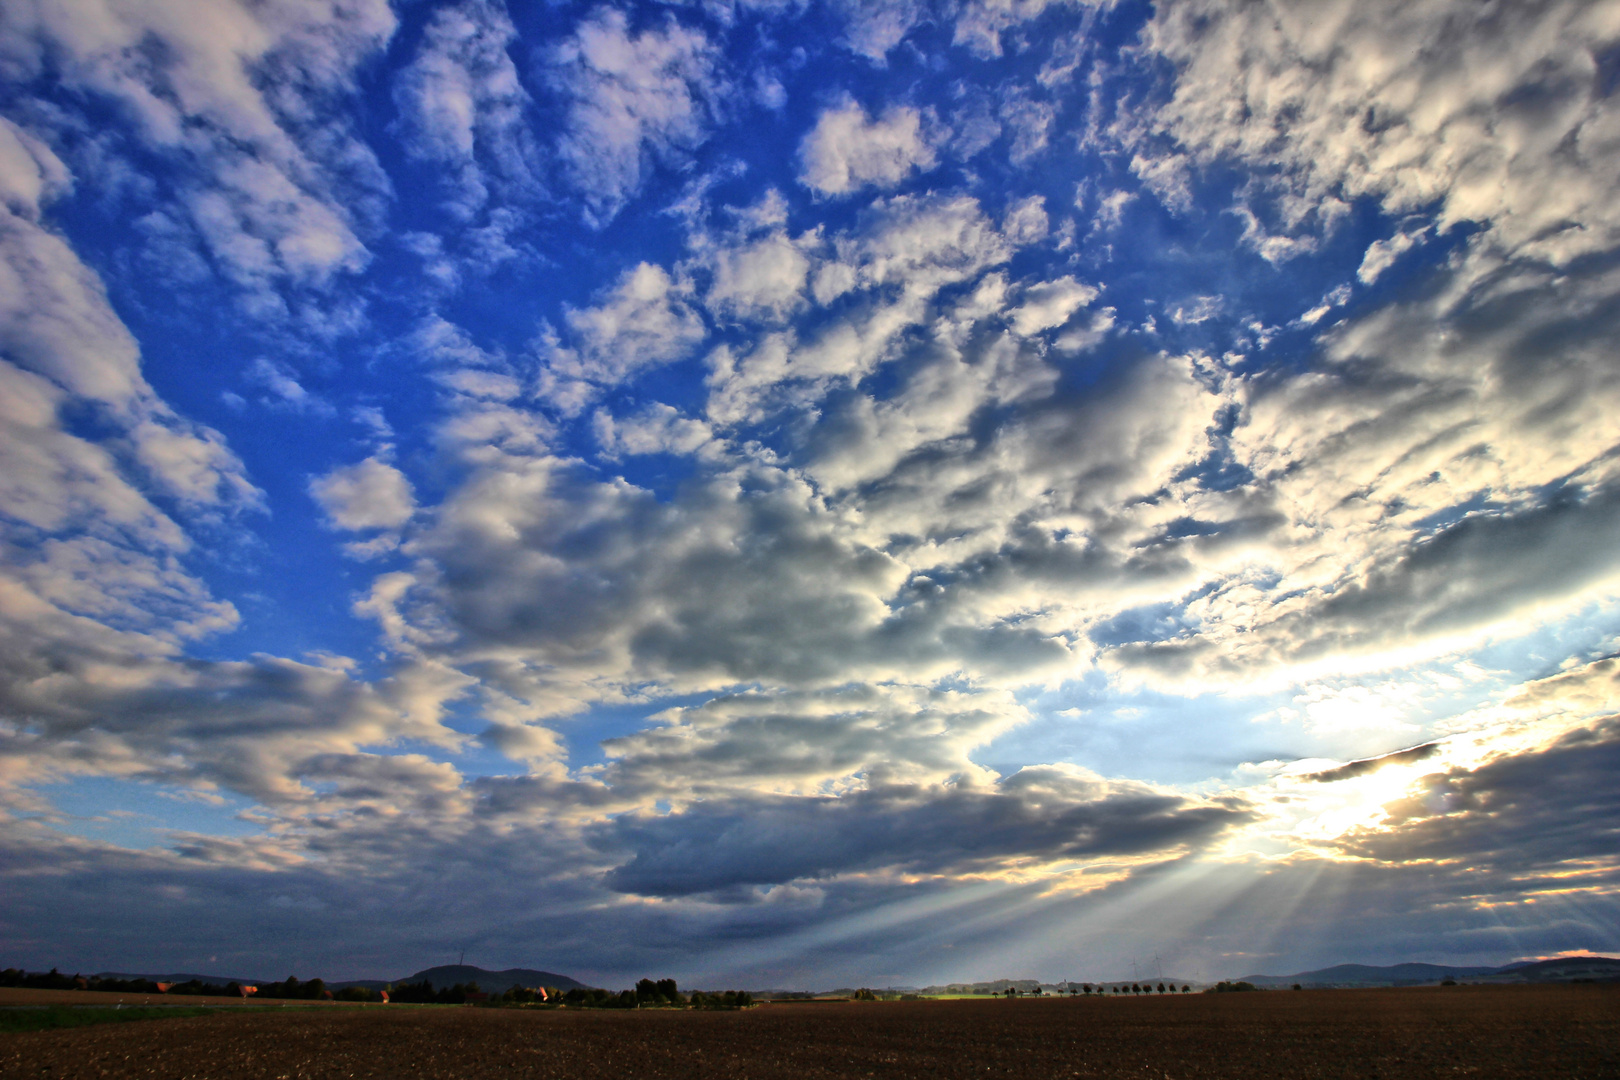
[808, 493]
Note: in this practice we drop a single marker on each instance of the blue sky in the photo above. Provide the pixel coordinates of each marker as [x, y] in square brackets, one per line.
[808, 493]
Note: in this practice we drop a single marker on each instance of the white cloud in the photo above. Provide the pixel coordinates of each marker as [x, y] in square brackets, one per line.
[1337, 297]
[30, 172]
[642, 321]
[764, 278]
[1026, 221]
[284, 389]
[633, 99]
[371, 494]
[907, 247]
[848, 150]
[1031, 124]
[1111, 209]
[800, 743]
[1050, 304]
[876, 26]
[274, 196]
[465, 107]
[1198, 309]
[980, 24]
[658, 429]
[1491, 114]
[56, 321]
[1382, 254]
[1368, 465]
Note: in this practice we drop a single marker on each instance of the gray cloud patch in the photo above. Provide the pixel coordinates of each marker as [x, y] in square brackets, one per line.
[1367, 765]
[1546, 819]
[1038, 814]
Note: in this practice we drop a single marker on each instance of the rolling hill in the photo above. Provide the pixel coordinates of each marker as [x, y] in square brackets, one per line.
[495, 981]
[1561, 969]
[446, 975]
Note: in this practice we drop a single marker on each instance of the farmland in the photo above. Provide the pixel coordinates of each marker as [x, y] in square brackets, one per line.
[1537, 1031]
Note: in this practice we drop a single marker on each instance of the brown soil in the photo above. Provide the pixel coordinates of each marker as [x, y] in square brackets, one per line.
[1540, 1032]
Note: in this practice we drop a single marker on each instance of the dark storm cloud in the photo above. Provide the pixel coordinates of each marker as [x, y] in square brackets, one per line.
[1043, 814]
[1522, 823]
[1368, 765]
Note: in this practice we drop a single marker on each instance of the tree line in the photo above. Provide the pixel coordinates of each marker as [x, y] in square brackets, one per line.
[55, 980]
[648, 993]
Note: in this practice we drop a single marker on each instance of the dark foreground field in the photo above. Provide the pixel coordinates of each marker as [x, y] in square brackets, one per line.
[1540, 1032]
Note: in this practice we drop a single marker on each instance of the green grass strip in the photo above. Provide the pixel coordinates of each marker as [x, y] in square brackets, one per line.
[67, 1016]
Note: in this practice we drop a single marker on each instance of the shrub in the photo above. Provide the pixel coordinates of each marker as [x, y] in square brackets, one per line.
[662, 992]
[730, 999]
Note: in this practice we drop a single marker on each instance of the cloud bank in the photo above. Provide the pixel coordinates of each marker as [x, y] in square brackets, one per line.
[806, 494]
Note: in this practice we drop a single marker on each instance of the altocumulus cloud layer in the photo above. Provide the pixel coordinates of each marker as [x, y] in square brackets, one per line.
[796, 492]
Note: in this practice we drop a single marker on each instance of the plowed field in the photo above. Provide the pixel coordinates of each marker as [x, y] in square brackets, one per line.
[1539, 1032]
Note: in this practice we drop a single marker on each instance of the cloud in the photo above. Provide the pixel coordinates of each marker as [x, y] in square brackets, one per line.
[1031, 123]
[1485, 114]
[1050, 304]
[659, 429]
[756, 610]
[904, 251]
[1368, 765]
[369, 495]
[1518, 823]
[30, 172]
[980, 24]
[1026, 221]
[643, 320]
[1450, 450]
[465, 107]
[876, 26]
[1050, 814]
[273, 193]
[281, 381]
[805, 742]
[848, 150]
[56, 324]
[632, 99]
[93, 581]
[762, 279]
[1382, 254]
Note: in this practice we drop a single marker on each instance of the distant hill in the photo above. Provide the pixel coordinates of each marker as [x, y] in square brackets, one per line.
[1365, 975]
[496, 981]
[186, 976]
[1559, 970]
[1603, 968]
[447, 975]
